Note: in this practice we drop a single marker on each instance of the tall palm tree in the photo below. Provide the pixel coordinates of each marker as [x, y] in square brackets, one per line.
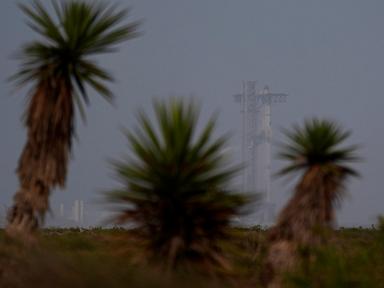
[175, 187]
[59, 69]
[315, 151]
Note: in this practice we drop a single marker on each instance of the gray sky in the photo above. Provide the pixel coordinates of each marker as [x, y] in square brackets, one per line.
[327, 55]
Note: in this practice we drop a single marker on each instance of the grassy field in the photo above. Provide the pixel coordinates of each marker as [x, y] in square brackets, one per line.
[113, 258]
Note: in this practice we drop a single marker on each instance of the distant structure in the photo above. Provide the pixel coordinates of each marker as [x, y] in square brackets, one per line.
[68, 216]
[78, 211]
[256, 147]
[61, 210]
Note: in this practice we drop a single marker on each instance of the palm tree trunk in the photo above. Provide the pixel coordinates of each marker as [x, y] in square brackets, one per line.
[43, 163]
[300, 223]
[22, 217]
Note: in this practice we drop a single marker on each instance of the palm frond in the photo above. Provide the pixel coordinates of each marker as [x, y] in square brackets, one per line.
[317, 142]
[175, 185]
[79, 29]
[40, 21]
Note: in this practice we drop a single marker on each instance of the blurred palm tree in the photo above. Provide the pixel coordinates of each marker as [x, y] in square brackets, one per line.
[59, 68]
[175, 187]
[316, 151]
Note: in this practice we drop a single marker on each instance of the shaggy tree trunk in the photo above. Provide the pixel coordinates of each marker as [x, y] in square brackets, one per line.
[301, 223]
[22, 218]
[43, 163]
[30, 204]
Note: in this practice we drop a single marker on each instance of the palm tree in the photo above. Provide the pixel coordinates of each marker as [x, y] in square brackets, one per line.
[316, 151]
[59, 69]
[174, 187]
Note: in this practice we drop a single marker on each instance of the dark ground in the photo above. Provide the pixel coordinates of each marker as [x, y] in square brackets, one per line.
[114, 258]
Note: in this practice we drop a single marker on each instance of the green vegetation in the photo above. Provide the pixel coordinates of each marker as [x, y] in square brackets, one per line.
[354, 258]
[108, 258]
[174, 189]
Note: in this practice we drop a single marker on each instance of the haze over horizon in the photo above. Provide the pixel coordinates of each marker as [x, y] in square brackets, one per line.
[327, 55]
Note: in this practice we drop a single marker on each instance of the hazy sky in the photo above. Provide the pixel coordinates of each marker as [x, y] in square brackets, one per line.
[327, 55]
